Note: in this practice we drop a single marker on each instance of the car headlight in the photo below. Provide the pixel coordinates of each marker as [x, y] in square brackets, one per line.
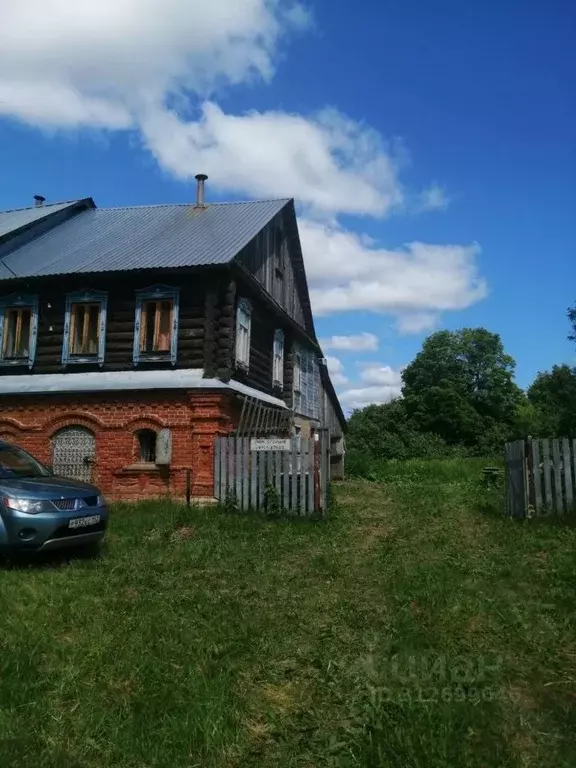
[28, 506]
[101, 501]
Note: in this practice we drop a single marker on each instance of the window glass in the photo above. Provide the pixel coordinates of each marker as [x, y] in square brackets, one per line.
[17, 324]
[156, 334]
[84, 329]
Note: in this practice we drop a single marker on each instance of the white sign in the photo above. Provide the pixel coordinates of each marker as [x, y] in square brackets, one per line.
[269, 444]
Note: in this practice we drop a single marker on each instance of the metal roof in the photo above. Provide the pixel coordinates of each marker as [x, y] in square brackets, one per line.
[11, 221]
[143, 237]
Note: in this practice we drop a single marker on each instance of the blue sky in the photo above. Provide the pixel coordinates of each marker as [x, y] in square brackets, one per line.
[447, 124]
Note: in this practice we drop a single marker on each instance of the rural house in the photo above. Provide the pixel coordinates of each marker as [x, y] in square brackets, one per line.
[130, 338]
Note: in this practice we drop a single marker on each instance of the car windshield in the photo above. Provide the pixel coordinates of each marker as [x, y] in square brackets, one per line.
[15, 463]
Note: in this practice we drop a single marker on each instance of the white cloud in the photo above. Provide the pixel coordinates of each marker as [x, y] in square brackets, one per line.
[336, 371]
[154, 65]
[348, 272]
[416, 322]
[327, 161]
[366, 342]
[359, 398]
[434, 198]
[380, 384]
[382, 375]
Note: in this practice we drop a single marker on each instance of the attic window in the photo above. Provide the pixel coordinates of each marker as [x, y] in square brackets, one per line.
[18, 330]
[85, 327]
[156, 327]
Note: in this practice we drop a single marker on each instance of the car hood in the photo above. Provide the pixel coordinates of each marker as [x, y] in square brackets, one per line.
[46, 488]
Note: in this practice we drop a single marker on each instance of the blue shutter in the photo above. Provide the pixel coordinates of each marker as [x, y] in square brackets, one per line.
[20, 301]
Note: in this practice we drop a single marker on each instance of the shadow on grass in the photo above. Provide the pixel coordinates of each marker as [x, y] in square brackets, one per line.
[11, 561]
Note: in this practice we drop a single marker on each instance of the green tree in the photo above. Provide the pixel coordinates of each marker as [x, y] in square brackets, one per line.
[386, 432]
[461, 387]
[572, 318]
[553, 395]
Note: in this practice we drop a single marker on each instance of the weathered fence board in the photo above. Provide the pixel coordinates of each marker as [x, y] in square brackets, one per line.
[298, 476]
[547, 473]
[567, 464]
[515, 496]
[541, 477]
[537, 476]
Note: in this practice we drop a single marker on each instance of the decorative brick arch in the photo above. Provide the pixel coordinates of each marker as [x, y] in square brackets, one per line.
[7, 424]
[144, 422]
[86, 420]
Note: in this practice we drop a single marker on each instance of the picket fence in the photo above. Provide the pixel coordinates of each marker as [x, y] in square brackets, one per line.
[541, 477]
[289, 475]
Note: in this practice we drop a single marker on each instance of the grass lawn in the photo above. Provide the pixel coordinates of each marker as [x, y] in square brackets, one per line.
[415, 628]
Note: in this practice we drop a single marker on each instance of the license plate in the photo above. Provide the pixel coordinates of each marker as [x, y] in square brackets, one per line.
[82, 522]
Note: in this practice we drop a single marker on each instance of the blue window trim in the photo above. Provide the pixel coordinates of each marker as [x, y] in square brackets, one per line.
[245, 306]
[85, 297]
[156, 293]
[20, 300]
[278, 343]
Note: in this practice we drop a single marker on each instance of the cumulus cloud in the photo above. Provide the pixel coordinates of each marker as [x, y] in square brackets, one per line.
[434, 198]
[155, 67]
[348, 272]
[365, 342]
[331, 163]
[336, 371]
[378, 384]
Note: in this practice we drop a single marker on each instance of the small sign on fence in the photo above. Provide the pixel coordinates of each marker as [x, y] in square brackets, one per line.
[269, 444]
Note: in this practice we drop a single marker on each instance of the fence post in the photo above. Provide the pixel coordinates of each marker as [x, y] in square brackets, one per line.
[515, 483]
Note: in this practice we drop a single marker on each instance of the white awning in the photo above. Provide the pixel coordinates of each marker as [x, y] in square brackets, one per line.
[125, 381]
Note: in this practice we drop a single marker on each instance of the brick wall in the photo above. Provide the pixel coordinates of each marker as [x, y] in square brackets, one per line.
[194, 418]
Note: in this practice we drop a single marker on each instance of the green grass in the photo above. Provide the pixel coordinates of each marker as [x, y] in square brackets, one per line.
[415, 628]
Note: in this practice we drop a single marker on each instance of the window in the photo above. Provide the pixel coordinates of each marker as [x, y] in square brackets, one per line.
[156, 326]
[243, 329]
[278, 363]
[18, 330]
[146, 446]
[297, 381]
[85, 327]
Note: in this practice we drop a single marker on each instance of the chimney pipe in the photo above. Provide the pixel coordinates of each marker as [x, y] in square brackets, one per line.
[39, 200]
[200, 178]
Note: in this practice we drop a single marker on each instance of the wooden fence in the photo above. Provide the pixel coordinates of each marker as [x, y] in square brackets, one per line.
[541, 477]
[289, 475]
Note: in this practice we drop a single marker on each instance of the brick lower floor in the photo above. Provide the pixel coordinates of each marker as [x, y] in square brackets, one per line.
[114, 420]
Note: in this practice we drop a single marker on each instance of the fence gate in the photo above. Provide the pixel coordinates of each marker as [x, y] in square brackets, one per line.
[541, 477]
[272, 474]
[73, 452]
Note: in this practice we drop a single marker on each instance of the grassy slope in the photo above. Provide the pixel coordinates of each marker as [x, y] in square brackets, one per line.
[199, 638]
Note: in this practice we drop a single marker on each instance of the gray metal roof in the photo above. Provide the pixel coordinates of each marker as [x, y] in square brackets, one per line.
[21, 217]
[113, 239]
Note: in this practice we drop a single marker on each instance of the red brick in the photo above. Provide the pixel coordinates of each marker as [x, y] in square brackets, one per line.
[193, 418]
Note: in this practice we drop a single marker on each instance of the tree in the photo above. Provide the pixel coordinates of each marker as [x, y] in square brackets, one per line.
[385, 432]
[572, 318]
[460, 386]
[553, 395]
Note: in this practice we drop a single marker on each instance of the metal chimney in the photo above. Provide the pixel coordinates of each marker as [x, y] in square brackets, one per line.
[39, 201]
[200, 178]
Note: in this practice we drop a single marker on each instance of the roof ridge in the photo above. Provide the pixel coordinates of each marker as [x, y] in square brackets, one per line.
[191, 205]
[40, 207]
